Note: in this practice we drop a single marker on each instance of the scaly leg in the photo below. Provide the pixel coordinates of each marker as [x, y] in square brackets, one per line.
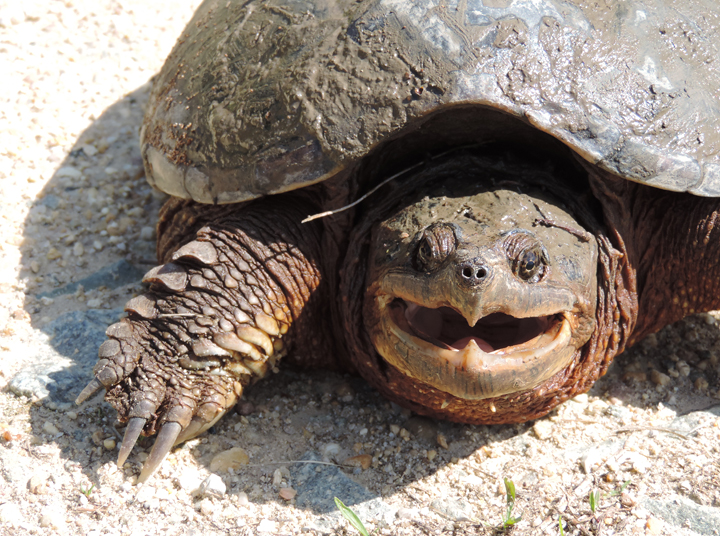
[234, 298]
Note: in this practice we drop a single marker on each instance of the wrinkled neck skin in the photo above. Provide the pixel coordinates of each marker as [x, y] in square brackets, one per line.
[672, 244]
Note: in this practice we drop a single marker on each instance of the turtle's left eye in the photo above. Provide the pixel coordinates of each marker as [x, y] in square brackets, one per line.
[527, 256]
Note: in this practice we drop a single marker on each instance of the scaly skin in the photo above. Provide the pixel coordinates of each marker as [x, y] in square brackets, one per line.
[233, 299]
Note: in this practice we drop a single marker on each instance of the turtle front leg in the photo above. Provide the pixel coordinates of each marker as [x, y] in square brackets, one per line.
[229, 302]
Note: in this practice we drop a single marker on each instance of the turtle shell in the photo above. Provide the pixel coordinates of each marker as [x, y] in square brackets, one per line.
[261, 97]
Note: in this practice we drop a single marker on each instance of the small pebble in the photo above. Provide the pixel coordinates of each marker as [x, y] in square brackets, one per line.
[233, 459]
[242, 499]
[50, 428]
[362, 460]
[147, 233]
[72, 415]
[52, 519]
[330, 450]
[278, 477]
[543, 429]
[407, 513]
[442, 441]
[37, 484]
[212, 486]
[109, 444]
[701, 384]
[287, 494]
[207, 507]
[658, 378]
[431, 454]
[654, 525]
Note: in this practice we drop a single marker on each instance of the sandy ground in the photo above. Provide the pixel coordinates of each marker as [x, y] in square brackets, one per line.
[73, 200]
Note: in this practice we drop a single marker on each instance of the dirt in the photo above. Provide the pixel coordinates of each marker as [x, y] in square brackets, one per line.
[75, 200]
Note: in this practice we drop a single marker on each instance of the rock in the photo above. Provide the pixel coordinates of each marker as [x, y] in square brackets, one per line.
[287, 494]
[543, 429]
[207, 507]
[189, 480]
[330, 451]
[689, 422]
[109, 444]
[654, 526]
[115, 275]
[145, 494]
[37, 484]
[233, 459]
[421, 428]
[407, 513]
[53, 519]
[659, 378]
[212, 486]
[279, 475]
[455, 509]
[318, 485]
[362, 460]
[50, 428]
[593, 455]
[682, 512]
[60, 365]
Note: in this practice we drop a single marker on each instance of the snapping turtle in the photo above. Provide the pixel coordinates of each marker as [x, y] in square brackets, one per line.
[506, 188]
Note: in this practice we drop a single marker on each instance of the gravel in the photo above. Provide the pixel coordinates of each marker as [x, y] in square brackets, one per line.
[78, 232]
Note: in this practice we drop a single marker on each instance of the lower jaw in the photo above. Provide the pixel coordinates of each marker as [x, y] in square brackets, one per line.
[470, 373]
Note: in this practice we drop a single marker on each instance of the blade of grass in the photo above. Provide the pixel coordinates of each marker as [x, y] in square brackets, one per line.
[352, 518]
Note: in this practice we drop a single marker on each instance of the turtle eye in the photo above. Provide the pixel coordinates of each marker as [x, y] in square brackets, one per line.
[527, 256]
[530, 266]
[436, 244]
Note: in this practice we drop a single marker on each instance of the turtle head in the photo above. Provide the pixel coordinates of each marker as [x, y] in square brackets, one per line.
[478, 291]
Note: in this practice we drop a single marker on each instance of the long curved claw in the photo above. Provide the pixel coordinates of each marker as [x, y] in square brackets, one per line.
[196, 427]
[90, 389]
[132, 432]
[165, 441]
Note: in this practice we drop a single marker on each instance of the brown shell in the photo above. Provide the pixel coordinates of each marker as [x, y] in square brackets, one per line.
[260, 97]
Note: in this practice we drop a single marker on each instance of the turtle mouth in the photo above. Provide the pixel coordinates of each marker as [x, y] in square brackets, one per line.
[499, 354]
[497, 333]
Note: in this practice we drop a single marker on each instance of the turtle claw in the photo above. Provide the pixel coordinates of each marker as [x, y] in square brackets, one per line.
[90, 389]
[132, 432]
[164, 442]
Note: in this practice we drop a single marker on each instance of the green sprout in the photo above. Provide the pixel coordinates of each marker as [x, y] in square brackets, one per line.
[562, 531]
[352, 518]
[594, 499]
[615, 492]
[508, 519]
[87, 491]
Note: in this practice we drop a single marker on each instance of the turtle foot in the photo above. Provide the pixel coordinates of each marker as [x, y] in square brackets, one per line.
[217, 316]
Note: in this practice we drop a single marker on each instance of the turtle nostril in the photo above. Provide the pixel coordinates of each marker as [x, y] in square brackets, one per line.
[473, 272]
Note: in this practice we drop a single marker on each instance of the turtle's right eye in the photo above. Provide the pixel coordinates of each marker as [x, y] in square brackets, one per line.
[436, 244]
